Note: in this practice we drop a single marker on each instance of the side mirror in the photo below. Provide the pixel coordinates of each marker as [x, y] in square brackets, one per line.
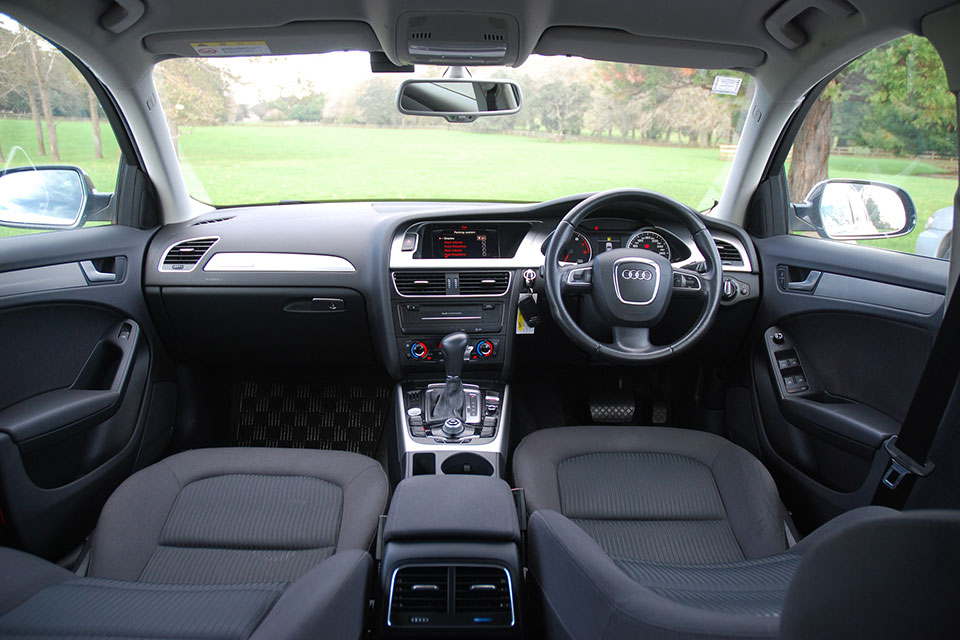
[458, 99]
[48, 197]
[845, 209]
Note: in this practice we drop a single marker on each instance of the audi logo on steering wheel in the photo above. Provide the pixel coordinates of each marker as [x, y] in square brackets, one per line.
[636, 274]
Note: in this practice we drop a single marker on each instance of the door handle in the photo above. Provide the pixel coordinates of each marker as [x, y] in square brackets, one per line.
[105, 270]
[809, 283]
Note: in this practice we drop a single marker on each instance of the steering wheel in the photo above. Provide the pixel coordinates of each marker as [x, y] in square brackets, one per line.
[632, 288]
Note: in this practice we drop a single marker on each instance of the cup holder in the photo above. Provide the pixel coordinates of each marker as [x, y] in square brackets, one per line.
[469, 464]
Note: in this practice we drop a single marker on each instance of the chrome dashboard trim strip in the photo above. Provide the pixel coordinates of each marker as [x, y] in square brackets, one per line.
[286, 262]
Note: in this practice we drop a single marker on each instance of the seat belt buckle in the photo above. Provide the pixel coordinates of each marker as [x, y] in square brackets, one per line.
[901, 465]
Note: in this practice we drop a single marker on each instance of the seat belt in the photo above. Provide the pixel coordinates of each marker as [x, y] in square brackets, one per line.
[923, 418]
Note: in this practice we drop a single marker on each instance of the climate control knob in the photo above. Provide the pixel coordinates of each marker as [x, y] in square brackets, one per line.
[484, 348]
[419, 350]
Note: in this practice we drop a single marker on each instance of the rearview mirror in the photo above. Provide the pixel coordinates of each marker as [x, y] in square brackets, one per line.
[845, 209]
[458, 99]
[52, 197]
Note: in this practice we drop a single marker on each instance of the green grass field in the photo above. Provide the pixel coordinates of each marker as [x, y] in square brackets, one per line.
[255, 163]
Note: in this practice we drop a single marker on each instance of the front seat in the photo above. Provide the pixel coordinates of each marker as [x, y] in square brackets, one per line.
[225, 543]
[645, 532]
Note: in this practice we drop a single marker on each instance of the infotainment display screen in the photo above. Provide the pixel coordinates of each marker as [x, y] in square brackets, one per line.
[465, 242]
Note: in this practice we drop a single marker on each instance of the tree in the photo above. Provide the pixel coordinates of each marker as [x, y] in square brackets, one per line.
[377, 102]
[560, 106]
[94, 108]
[41, 75]
[194, 93]
[811, 148]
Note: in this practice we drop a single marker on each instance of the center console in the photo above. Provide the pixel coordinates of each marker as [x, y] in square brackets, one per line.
[454, 292]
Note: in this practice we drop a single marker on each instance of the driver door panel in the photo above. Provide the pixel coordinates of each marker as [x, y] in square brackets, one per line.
[836, 364]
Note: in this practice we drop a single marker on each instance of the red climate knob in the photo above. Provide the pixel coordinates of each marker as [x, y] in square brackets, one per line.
[484, 348]
[419, 350]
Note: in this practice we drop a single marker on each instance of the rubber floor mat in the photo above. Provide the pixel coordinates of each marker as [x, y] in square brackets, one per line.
[314, 415]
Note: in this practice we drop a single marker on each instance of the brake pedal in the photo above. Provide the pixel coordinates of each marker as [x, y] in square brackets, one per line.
[612, 407]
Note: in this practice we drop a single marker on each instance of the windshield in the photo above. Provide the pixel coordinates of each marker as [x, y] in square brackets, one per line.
[324, 127]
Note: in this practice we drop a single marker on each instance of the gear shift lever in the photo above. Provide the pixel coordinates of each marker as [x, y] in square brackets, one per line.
[453, 346]
[449, 406]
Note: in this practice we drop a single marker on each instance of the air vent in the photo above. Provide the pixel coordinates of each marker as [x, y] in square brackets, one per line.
[421, 35]
[420, 283]
[420, 590]
[185, 255]
[212, 221]
[493, 36]
[483, 592]
[484, 283]
[728, 253]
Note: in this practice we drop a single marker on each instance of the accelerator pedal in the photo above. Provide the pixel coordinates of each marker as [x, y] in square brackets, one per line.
[612, 407]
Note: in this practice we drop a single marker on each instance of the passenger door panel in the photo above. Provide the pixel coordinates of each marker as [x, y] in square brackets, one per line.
[837, 361]
[84, 393]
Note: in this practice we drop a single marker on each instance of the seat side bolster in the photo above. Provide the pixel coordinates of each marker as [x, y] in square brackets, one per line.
[751, 501]
[878, 574]
[328, 601]
[598, 600]
[131, 522]
[364, 499]
[23, 575]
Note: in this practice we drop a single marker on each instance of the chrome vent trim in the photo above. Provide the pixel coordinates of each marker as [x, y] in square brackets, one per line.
[729, 254]
[481, 590]
[184, 256]
[420, 283]
[484, 283]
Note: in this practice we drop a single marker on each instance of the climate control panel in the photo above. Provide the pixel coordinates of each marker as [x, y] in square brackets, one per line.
[428, 349]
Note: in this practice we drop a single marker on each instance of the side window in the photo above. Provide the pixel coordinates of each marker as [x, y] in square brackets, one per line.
[58, 155]
[888, 117]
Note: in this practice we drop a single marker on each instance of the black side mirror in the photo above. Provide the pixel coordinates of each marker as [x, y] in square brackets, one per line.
[845, 209]
[48, 197]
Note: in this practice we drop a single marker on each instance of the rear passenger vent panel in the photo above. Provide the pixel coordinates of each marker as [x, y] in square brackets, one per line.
[184, 256]
[452, 597]
[451, 283]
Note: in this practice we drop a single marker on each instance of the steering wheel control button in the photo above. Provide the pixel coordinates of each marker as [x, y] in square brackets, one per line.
[636, 280]
[452, 427]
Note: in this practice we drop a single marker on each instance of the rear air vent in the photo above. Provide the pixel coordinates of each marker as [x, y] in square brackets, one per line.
[483, 592]
[729, 254]
[185, 255]
[486, 283]
[211, 221]
[481, 597]
[420, 283]
[420, 590]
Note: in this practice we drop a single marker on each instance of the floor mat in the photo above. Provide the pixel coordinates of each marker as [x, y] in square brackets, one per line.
[309, 414]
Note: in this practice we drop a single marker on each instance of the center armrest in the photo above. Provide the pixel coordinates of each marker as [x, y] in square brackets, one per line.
[452, 508]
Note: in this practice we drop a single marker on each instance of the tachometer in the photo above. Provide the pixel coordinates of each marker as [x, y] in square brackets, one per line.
[577, 251]
[651, 241]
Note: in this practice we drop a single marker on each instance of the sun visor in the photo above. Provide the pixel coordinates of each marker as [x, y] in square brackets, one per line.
[295, 37]
[620, 46]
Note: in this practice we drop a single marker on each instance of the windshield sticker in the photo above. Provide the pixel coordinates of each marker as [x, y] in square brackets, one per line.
[726, 85]
[222, 49]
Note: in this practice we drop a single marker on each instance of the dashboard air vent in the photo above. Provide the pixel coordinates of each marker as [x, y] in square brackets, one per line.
[185, 255]
[483, 592]
[212, 221]
[728, 253]
[474, 283]
[419, 590]
[420, 283]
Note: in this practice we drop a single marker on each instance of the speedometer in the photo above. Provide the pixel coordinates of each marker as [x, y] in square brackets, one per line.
[651, 241]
